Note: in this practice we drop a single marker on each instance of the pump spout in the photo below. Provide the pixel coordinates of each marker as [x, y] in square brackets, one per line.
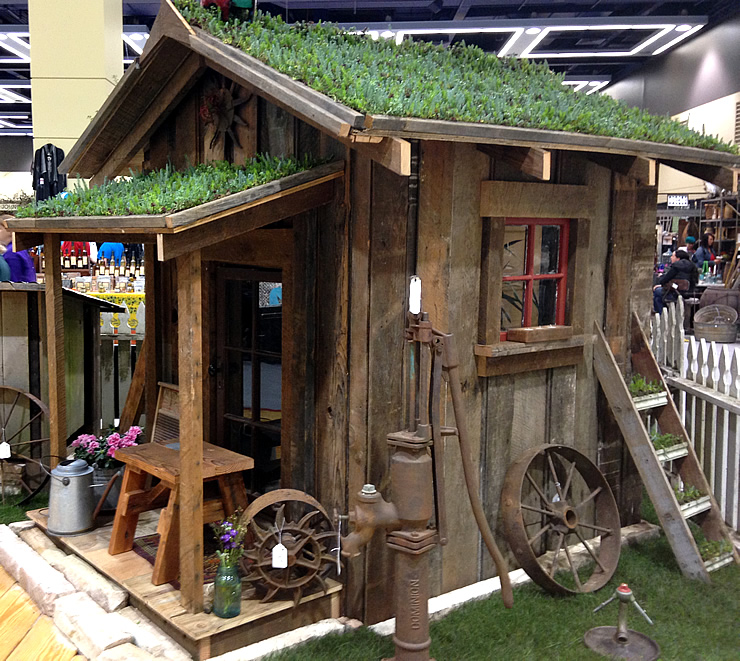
[371, 512]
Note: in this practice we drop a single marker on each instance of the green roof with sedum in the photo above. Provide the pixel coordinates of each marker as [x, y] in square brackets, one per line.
[166, 190]
[418, 79]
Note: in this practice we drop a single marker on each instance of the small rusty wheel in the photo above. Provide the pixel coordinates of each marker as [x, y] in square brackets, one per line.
[304, 528]
[23, 417]
[553, 498]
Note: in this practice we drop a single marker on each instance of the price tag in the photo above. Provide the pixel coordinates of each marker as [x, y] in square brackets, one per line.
[4, 450]
[279, 557]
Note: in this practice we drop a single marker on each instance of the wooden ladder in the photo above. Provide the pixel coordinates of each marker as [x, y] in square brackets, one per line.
[651, 464]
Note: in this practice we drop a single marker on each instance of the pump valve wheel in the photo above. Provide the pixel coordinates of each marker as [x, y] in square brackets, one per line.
[561, 520]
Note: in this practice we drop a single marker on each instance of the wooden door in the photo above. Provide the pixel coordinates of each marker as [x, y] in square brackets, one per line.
[248, 368]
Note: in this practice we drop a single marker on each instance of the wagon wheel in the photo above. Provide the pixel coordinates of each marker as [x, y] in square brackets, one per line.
[555, 497]
[304, 528]
[21, 420]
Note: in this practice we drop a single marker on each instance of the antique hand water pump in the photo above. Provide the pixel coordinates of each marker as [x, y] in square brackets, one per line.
[417, 476]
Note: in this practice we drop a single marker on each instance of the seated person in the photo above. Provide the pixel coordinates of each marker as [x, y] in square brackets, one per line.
[681, 269]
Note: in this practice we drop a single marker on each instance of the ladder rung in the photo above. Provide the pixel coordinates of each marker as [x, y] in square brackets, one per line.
[716, 563]
[696, 507]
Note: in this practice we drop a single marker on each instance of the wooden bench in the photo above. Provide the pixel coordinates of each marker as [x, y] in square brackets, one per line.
[161, 460]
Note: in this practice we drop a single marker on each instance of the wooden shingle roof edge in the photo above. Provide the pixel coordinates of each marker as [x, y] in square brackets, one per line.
[288, 196]
[115, 135]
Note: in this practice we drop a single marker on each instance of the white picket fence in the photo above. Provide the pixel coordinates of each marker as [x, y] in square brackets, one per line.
[705, 381]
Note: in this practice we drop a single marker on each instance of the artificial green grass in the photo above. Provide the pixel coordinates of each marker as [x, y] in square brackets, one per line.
[693, 621]
[167, 190]
[10, 511]
[418, 79]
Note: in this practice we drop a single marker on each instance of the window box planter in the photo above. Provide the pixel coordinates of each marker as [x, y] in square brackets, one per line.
[713, 564]
[694, 507]
[651, 401]
[673, 452]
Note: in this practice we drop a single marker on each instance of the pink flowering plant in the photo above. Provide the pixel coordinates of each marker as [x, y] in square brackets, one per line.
[100, 450]
[230, 537]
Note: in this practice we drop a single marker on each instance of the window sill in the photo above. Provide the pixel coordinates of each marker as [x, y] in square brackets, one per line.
[518, 357]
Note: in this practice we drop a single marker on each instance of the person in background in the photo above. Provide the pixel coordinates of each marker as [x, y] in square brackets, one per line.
[705, 252]
[111, 253]
[690, 246]
[4, 268]
[681, 268]
[20, 263]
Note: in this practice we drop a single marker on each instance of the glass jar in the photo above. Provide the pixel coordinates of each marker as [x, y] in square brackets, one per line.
[227, 591]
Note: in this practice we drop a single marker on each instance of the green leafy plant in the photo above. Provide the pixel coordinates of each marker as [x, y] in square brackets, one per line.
[688, 494]
[420, 79]
[167, 190]
[639, 386]
[714, 548]
[664, 441]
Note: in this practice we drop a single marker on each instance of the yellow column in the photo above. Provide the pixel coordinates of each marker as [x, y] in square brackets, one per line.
[76, 60]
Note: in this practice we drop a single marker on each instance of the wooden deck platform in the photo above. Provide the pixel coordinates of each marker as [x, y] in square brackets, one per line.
[203, 635]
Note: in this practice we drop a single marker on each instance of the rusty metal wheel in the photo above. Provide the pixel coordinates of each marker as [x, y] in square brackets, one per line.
[301, 524]
[23, 419]
[553, 499]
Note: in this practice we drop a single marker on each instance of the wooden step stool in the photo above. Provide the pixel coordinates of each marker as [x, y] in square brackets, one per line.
[163, 462]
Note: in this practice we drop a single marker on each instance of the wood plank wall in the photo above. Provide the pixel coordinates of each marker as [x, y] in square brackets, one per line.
[630, 261]
[349, 275]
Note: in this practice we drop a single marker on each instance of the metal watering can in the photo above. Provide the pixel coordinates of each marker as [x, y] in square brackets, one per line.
[71, 502]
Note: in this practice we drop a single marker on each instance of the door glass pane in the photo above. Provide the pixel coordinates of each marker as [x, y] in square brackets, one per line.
[238, 303]
[544, 303]
[512, 304]
[515, 250]
[546, 249]
[246, 410]
[271, 373]
[270, 317]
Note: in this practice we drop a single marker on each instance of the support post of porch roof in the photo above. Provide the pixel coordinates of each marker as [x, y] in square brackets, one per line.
[190, 369]
[151, 378]
[55, 349]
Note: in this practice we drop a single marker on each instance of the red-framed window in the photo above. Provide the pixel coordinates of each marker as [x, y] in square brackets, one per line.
[535, 268]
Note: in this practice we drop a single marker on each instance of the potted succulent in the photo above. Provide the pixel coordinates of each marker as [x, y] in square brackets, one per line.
[99, 452]
[646, 394]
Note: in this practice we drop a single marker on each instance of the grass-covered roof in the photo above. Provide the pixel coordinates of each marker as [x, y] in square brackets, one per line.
[166, 190]
[418, 79]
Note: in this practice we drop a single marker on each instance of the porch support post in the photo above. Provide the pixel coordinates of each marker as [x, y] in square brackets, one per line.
[152, 347]
[190, 368]
[55, 349]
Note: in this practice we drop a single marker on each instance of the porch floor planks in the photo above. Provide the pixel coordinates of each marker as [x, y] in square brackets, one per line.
[134, 574]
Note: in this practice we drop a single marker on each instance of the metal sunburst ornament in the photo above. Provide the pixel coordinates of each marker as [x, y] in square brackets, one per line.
[219, 108]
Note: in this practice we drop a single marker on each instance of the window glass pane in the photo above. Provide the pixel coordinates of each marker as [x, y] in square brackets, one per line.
[546, 249]
[544, 303]
[515, 250]
[270, 317]
[512, 304]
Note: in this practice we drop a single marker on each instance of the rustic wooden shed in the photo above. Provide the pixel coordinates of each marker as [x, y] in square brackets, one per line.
[400, 196]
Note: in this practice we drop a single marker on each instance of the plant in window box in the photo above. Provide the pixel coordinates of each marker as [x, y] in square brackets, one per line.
[691, 500]
[715, 553]
[99, 452]
[646, 394]
[669, 446]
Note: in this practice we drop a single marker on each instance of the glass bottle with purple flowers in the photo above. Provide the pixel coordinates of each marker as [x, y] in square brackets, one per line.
[227, 593]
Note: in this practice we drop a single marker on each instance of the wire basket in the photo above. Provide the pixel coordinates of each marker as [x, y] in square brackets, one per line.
[716, 314]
